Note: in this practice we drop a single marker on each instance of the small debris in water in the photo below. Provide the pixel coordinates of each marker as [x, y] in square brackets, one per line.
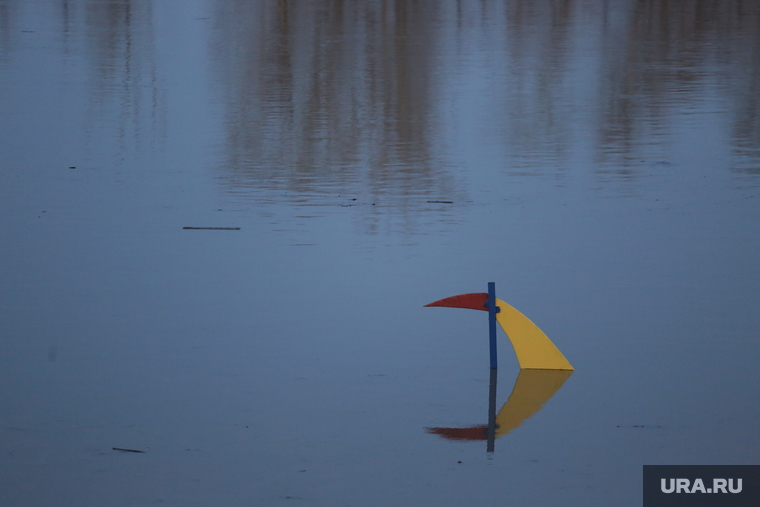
[213, 228]
[72, 167]
[126, 450]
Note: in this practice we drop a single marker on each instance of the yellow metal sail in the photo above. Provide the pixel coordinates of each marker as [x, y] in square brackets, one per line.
[533, 348]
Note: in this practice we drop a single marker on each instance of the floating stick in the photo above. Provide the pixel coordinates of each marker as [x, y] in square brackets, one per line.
[213, 228]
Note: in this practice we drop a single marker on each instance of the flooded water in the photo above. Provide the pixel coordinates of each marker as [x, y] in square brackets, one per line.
[598, 160]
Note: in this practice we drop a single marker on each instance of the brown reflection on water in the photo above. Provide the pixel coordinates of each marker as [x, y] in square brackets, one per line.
[5, 15]
[672, 60]
[124, 86]
[328, 98]
[107, 45]
[8, 11]
[537, 60]
[370, 98]
[746, 90]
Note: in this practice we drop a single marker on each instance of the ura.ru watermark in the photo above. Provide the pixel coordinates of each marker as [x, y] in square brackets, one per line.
[701, 485]
[698, 486]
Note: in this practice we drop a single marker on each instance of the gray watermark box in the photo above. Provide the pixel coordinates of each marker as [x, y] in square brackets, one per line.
[701, 485]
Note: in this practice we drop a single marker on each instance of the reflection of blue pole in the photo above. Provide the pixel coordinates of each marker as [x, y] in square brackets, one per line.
[492, 311]
[492, 411]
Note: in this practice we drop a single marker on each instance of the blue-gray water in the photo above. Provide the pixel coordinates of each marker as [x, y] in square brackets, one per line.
[602, 164]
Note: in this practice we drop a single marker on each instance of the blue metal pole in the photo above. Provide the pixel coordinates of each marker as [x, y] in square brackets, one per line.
[492, 311]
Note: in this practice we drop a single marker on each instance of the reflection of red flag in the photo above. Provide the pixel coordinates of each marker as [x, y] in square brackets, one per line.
[471, 433]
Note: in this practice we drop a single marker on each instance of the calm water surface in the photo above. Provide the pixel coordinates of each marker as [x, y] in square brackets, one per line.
[598, 160]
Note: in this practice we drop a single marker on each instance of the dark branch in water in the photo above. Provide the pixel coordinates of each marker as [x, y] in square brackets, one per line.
[213, 228]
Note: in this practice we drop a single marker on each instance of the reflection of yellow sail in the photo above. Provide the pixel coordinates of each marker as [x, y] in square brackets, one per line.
[533, 388]
[533, 348]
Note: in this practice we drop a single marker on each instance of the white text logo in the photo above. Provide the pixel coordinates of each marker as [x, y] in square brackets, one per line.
[685, 486]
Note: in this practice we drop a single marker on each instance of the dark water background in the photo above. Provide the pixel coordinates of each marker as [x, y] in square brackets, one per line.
[602, 164]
